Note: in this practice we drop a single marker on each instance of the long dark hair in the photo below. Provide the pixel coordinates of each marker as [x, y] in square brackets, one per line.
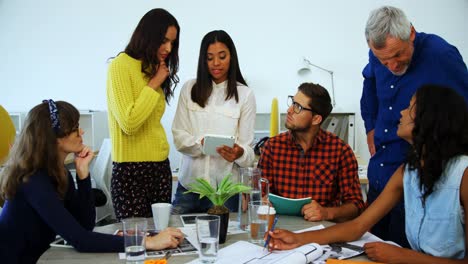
[440, 133]
[36, 148]
[204, 86]
[145, 42]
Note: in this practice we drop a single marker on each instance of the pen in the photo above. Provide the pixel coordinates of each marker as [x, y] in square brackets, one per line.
[272, 229]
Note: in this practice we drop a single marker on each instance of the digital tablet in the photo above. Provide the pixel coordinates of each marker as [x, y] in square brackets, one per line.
[211, 142]
[189, 220]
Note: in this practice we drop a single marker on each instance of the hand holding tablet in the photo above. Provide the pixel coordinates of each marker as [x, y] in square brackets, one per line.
[211, 142]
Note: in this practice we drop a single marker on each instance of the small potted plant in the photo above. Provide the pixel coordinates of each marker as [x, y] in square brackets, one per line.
[218, 196]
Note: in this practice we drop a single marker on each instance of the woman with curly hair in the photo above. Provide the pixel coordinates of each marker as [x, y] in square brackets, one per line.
[433, 184]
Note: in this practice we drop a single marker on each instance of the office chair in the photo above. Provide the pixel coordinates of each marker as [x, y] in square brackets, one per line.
[101, 172]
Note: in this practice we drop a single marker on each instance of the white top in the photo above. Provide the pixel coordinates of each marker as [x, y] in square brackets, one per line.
[229, 118]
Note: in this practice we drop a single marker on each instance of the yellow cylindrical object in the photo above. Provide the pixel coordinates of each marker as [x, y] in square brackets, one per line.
[274, 118]
[7, 134]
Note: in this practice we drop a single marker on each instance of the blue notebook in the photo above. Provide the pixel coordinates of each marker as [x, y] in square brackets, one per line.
[288, 206]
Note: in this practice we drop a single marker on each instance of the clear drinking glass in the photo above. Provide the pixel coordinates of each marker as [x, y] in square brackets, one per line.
[134, 231]
[208, 237]
[251, 177]
[259, 213]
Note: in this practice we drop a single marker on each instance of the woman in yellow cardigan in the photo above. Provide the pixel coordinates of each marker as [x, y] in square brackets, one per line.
[140, 82]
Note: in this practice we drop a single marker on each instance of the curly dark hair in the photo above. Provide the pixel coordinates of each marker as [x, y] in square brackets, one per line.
[440, 133]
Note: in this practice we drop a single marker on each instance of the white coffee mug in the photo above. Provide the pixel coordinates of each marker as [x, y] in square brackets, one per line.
[161, 214]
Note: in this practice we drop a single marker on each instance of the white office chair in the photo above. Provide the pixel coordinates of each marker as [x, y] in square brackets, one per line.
[101, 172]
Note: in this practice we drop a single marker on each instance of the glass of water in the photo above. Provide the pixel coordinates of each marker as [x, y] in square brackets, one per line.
[208, 237]
[259, 212]
[134, 231]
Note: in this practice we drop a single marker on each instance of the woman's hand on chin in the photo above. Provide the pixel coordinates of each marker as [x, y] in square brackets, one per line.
[82, 160]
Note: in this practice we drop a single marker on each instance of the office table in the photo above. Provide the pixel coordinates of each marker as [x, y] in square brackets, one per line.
[71, 256]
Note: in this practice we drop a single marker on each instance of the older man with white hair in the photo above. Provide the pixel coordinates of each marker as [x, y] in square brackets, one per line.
[400, 61]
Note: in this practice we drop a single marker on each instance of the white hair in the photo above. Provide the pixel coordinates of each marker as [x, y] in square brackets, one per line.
[387, 21]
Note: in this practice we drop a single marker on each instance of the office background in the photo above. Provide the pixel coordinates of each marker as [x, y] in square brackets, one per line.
[59, 49]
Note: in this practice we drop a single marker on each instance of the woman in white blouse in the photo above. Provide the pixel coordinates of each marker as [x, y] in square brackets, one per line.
[217, 102]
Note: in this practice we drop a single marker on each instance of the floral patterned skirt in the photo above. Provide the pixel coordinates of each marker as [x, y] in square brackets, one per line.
[137, 185]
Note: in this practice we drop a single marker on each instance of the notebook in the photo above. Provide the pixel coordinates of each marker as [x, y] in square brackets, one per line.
[288, 206]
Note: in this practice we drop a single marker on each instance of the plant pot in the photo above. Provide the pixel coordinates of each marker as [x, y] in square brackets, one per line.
[223, 225]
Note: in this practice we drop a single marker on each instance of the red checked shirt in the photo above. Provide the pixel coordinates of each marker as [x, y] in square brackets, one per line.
[328, 172]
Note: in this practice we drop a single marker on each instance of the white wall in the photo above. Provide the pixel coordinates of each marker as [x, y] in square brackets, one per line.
[58, 49]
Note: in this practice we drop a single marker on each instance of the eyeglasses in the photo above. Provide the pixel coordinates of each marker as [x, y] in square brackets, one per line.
[76, 130]
[296, 106]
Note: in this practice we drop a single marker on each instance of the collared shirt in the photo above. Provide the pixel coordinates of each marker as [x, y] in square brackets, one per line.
[385, 95]
[437, 226]
[327, 172]
[221, 117]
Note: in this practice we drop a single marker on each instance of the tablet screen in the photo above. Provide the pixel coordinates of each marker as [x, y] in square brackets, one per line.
[189, 219]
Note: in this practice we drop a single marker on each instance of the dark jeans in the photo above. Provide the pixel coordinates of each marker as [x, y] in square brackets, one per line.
[191, 203]
[392, 226]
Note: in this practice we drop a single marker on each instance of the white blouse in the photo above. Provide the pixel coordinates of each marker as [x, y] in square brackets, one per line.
[229, 118]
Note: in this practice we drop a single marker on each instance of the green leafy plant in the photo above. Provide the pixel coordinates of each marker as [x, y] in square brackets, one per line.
[226, 189]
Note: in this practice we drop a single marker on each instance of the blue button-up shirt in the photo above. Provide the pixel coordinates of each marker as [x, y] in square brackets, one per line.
[384, 95]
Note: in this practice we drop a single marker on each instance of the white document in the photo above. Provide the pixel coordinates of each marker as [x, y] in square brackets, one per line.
[343, 250]
[255, 254]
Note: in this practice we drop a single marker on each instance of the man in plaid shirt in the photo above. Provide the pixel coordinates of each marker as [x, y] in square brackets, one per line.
[307, 161]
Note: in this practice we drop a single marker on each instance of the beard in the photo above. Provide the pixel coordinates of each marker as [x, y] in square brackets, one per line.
[297, 128]
[403, 71]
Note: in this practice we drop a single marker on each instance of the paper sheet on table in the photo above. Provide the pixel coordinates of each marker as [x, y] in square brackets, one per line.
[367, 237]
[191, 232]
[246, 252]
[343, 250]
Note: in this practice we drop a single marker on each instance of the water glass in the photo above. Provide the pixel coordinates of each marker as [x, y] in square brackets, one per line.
[134, 231]
[259, 213]
[251, 177]
[208, 237]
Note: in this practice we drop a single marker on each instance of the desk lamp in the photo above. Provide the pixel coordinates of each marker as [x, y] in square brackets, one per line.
[306, 68]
